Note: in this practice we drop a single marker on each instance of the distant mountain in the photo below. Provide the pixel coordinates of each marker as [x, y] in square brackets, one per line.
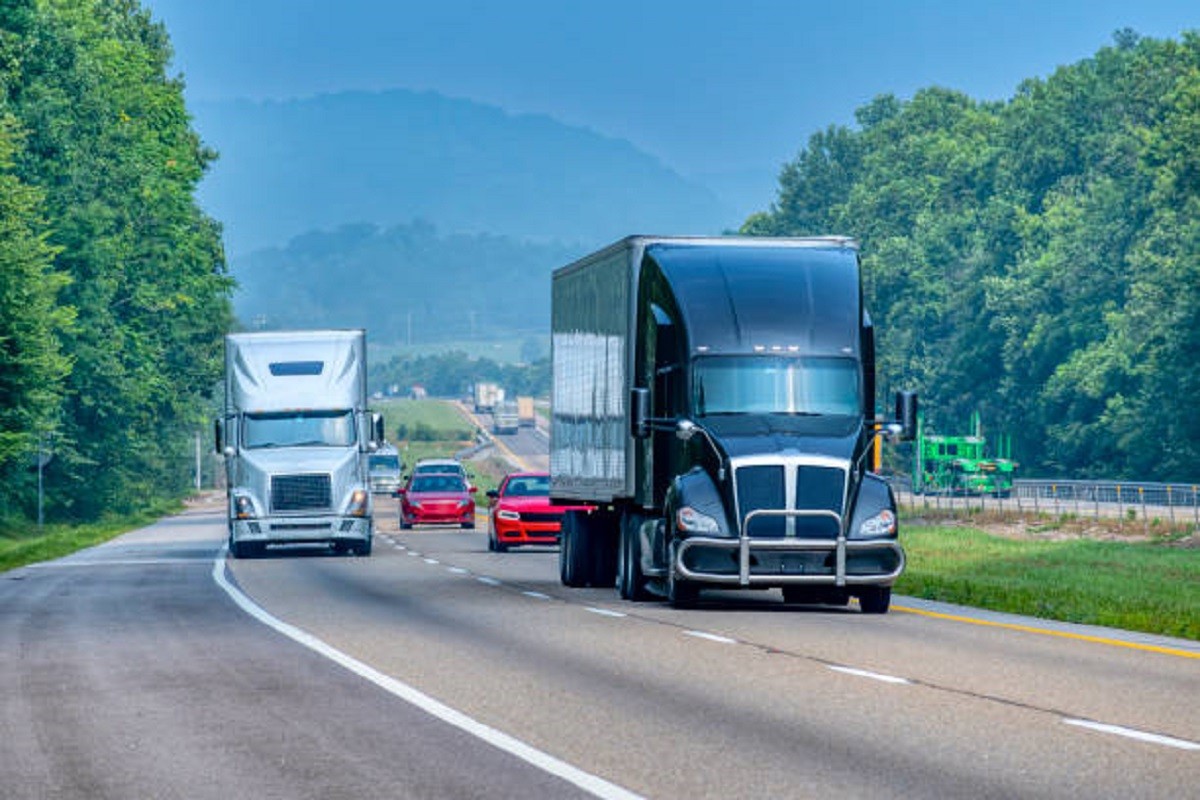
[407, 284]
[289, 167]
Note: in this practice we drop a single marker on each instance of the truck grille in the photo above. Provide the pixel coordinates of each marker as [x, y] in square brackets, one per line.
[300, 493]
[815, 488]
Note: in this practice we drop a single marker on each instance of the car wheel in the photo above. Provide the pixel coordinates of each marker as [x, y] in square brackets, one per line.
[469, 526]
[405, 525]
[875, 599]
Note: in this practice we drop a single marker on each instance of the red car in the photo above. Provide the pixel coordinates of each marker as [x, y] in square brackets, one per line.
[437, 498]
[520, 513]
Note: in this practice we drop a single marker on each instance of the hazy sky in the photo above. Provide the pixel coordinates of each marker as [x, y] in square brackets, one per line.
[722, 91]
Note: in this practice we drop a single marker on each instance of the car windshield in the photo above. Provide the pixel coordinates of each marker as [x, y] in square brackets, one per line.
[298, 429]
[438, 483]
[385, 463]
[528, 486]
[427, 468]
[775, 385]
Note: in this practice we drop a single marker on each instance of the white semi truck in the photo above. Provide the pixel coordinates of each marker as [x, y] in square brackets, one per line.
[295, 434]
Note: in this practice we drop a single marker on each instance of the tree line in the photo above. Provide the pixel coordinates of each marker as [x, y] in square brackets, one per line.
[113, 289]
[1037, 258]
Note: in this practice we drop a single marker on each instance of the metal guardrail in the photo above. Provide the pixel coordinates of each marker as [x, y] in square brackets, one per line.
[1176, 502]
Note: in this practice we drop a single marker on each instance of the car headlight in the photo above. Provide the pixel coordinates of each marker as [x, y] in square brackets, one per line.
[243, 507]
[511, 516]
[690, 520]
[359, 502]
[882, 524]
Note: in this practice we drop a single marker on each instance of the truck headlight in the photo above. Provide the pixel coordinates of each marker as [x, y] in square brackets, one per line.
[358, 503]
[882, 524]
[243, 507]
[692, 521]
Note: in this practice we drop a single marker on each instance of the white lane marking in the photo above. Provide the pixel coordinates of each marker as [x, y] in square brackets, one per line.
[456, 570]
[432, 561]
[489, 581]
[712, 637]
[593, 784]
[414, 554]
[1131, 733]
[604, 612]
[536, 595]
[875, 676]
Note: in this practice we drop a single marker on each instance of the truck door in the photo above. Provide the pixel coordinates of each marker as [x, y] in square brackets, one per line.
[667, 391]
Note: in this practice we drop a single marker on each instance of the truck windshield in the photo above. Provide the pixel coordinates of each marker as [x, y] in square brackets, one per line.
[384, 463]
[298, 429]
[775, 385]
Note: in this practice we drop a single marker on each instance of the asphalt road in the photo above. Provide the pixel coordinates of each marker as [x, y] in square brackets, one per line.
[128, 671]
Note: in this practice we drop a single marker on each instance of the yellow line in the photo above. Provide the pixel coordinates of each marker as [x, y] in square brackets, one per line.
[1170, 651]
[513, 457]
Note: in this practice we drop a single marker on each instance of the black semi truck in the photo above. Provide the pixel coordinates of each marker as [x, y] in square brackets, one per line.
[714, 406]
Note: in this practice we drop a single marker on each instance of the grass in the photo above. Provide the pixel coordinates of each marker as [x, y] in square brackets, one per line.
[1142, 586]
[444, 432]
[23, 543]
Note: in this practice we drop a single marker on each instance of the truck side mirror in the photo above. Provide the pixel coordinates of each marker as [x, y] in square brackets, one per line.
[377, 428]
[906, 415]
[639, 413]
[218, 436]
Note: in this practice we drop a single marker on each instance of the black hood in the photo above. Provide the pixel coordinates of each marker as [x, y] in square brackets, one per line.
[784, 434]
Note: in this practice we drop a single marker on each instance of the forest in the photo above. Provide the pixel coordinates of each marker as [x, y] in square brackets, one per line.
[114, 294]
[1037, 259]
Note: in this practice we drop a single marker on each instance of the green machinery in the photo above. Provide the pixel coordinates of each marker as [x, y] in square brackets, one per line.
[957, 464]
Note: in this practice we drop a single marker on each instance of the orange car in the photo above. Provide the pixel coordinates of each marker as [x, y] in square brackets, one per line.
[520, 512]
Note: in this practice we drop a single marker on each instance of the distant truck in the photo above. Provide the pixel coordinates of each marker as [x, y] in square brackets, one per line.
[714, 402]
[487, 396]
[295, 434]
[386, 470]
[505, 418]
[959, 464]
[526, 416]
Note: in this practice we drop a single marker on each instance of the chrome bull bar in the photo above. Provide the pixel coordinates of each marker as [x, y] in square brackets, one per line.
[745, 546]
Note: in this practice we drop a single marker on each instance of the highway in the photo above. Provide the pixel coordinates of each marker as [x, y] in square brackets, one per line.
[152, 667]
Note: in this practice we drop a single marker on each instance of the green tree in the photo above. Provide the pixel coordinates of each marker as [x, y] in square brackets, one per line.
[32, 366]
[110, 145]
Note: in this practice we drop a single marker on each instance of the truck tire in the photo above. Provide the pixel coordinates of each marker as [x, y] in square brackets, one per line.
[244, 549]
[364, 547]
[573, 550]
[681, 593]
[875, 599]
[604, 538]
[631, 583]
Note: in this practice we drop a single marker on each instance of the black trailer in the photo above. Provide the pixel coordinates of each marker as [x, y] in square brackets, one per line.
[713, 402]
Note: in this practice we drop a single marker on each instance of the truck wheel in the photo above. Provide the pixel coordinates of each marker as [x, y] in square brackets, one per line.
[875, 599]
[681, 593]
[572, 560]
[631, 583]
[364, 548]
[604, 539]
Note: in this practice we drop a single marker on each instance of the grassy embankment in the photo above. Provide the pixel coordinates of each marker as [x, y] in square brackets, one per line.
[23, 543]
[1151, 586]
